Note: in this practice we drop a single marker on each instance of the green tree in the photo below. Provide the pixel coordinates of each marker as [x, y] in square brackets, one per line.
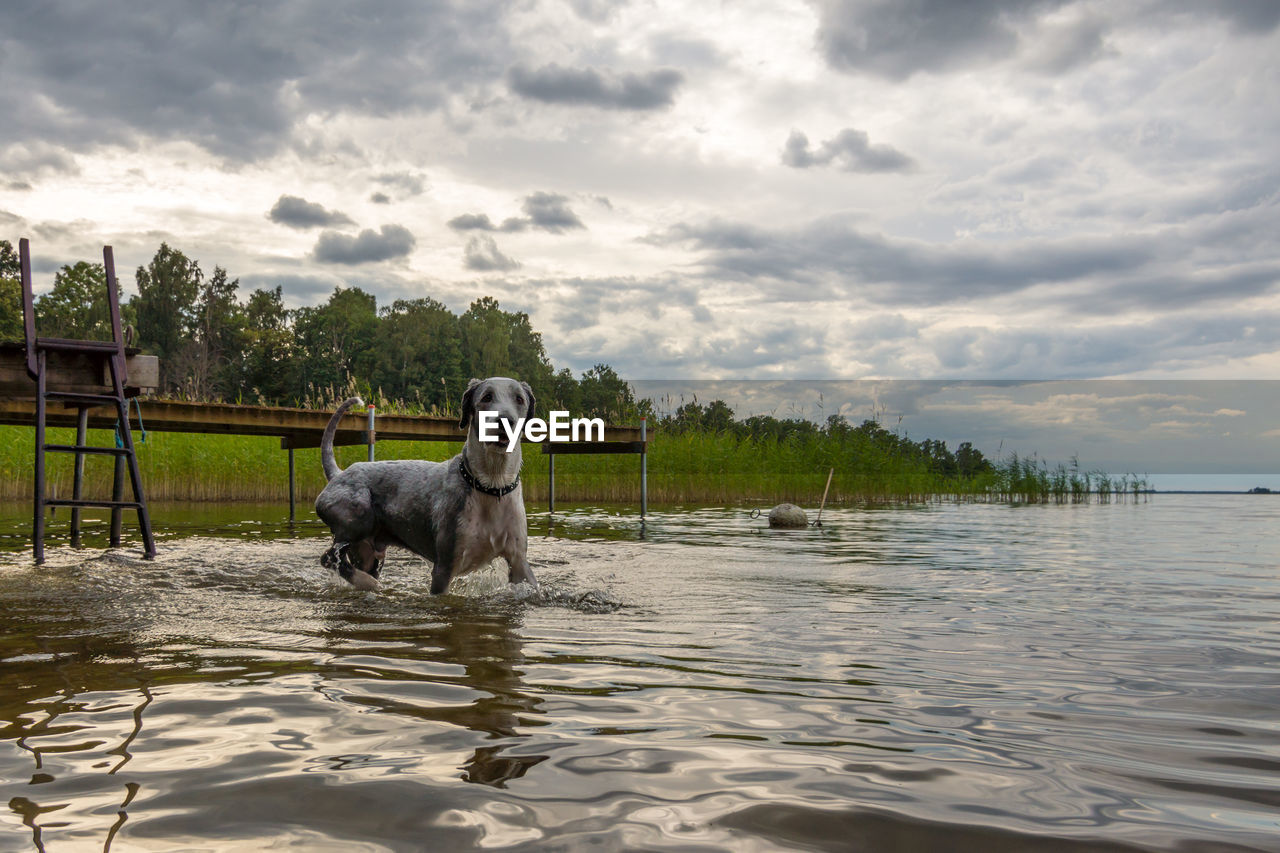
[566, 394]
[10, 294]
[606, 395]
[217, 345]
[165, 306]
[970, 462]
[419, 353]
[266, 367]
[336, 341]
[718, 417]
[77, 307]
[501, 342]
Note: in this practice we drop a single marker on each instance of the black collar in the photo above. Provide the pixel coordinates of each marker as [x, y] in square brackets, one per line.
[496, 491]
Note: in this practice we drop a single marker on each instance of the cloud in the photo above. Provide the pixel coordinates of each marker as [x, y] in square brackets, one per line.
[552, 84]
[849, 150]
[546, 211]
[32, 158]
[299, 213]
[380, 198]
[1063, 47]
[408, 183]
[897, 38]
[551, 212]
[835, 259]
[471, 222]
[235, 83]
[482, 254]
[1071, 350]
[293, 285]
[1254, 17]
[392, 241]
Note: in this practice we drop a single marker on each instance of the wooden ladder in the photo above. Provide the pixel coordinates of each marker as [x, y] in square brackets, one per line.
[113, 353]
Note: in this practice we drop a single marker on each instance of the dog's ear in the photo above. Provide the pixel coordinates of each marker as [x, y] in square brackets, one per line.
[468, 404]
[528, 394]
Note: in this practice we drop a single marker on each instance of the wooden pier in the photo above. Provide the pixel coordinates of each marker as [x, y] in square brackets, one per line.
[296, 428]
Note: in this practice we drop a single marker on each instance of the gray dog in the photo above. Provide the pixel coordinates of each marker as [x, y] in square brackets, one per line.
[458, 514]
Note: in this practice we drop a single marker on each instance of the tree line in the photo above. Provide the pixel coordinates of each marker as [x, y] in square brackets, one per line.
[215, 345]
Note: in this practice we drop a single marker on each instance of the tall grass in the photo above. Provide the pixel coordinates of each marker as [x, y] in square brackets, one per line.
[694, 467]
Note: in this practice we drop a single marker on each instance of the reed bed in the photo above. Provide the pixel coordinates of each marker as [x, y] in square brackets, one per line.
[697, 467]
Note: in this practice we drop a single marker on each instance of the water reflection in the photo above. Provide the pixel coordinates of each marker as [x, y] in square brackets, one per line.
[483, 642]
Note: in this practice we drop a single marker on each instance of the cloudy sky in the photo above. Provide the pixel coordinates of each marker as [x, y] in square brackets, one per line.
[836, 189]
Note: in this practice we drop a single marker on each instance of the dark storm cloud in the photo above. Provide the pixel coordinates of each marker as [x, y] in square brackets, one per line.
[392, 241]
[299, 213]
[553, 84]
[232, 78]
[482, 254]
[849, 150]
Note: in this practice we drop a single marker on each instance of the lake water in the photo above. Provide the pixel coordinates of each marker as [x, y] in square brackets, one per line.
[932, 678]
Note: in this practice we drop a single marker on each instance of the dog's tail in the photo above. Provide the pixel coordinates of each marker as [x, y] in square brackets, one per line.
[330, 464]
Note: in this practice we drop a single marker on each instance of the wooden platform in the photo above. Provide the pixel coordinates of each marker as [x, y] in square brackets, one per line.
[75, 372]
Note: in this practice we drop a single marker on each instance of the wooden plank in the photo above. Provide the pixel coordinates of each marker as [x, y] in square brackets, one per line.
[301, 426]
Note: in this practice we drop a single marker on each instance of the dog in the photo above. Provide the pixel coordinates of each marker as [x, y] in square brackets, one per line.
[458, 514]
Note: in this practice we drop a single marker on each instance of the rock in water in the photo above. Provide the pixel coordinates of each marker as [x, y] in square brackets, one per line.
[788, 515]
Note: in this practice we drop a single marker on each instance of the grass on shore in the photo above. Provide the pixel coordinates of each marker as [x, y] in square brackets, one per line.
[687, 468]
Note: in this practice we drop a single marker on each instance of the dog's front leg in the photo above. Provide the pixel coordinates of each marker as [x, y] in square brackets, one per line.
[442, 566]
[440, 577]
[518, 570]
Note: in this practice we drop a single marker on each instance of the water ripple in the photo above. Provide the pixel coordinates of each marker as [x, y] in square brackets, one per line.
[1098, 678]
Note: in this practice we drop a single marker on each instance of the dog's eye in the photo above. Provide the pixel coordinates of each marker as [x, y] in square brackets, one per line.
[488, 396]
[519, 401]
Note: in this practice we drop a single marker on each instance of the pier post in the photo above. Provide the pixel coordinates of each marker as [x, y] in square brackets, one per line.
[293, 494]
[552, 484]
[372, 438]
[644, 470]
[82, 433]
[117, 495]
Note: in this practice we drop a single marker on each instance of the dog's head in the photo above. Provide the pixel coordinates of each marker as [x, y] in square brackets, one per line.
[512, 400]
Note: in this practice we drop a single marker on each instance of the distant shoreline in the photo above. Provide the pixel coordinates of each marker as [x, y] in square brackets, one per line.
[1207, 492]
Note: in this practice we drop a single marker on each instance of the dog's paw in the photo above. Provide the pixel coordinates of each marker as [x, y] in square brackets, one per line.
[364, 581]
